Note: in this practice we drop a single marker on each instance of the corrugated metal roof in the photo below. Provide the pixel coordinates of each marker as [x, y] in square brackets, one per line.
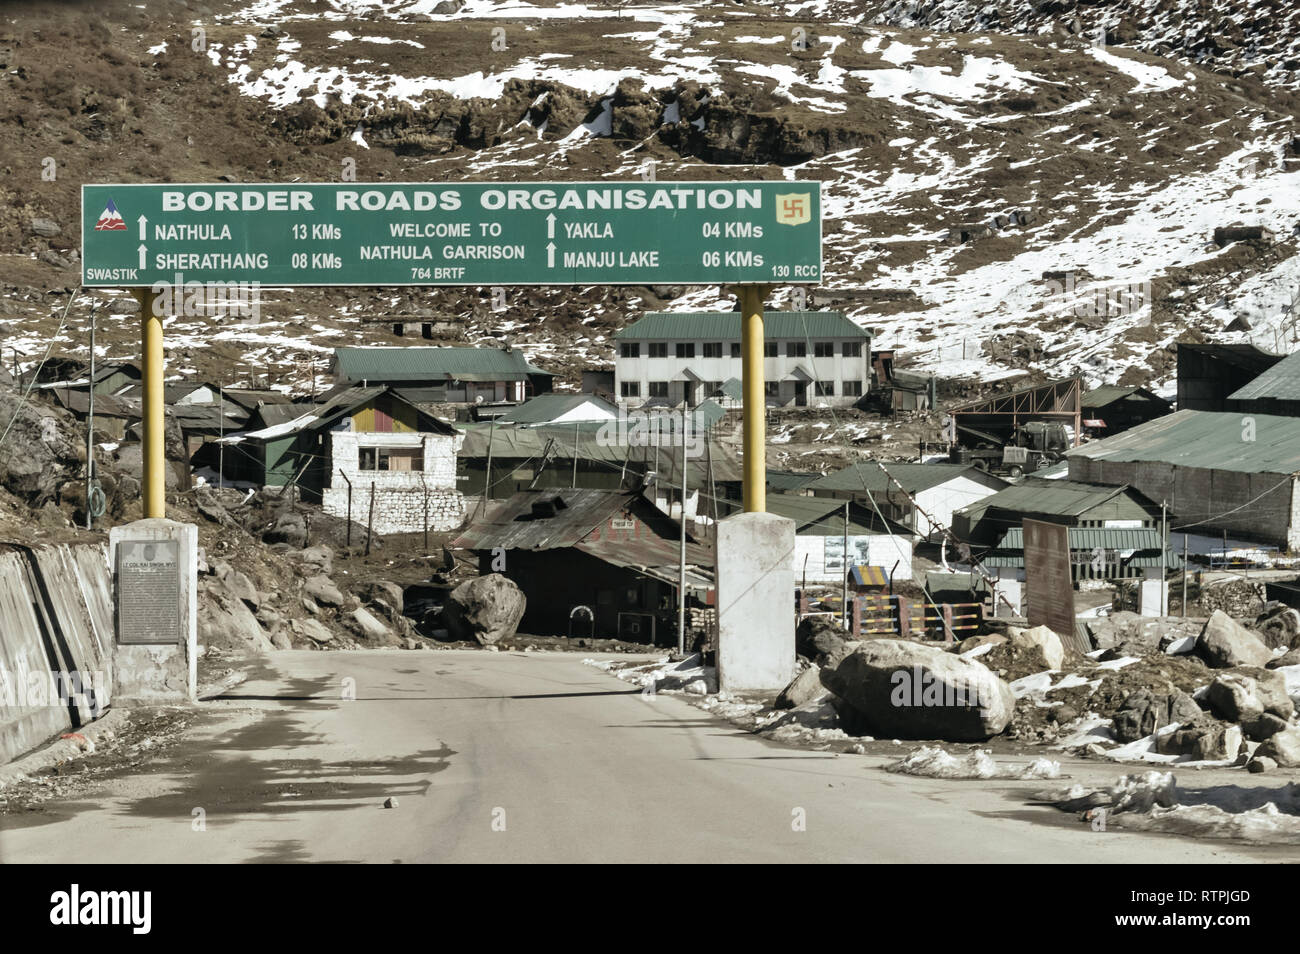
[423, 364]
[1085, 538]
[604, 442]
[782, 480]
[866, 477]
[725, 326]
[556, 519]
[1067, 498]
[1280, 383]
[1106, 394]
[821, 516]
[1213, 440]
[547, 407]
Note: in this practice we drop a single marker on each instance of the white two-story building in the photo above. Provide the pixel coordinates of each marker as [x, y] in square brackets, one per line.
[811, 358]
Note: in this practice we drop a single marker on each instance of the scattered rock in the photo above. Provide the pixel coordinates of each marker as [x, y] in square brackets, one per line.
[975, 642]
[368, 626]
[1041, 638]
[390, 802]
[818, 636]
[485, 609]
[1279, 625]
[1144, 711]
[44, 227]
[312, 629]
[1260, 764]
[1290, 658]
[1283, 748]
[1204, 741]
[1224, 643]
[322, 589]
[802, 688]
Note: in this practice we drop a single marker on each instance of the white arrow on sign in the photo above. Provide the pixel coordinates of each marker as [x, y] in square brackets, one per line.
[144, 253]
[143, 222]
[550, 226]
[550, 255]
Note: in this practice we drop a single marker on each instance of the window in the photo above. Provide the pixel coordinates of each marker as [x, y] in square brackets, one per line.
[853, 389]
[630, 349]
[852, 349]
[630, 388]
[823, 349]
[772, 388]
[769, 349]
[735, 349]
[796, 349]
[825, 389]
[391, 458]
[713, 349]
[659, 349]
[659, 389]
[686, 349]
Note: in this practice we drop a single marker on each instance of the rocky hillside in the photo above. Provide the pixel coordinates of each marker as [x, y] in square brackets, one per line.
[1002, 192]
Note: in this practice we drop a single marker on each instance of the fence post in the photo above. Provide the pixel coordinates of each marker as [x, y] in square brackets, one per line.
[370, 521]
[903, 606]
[857, 616]
[948, 634]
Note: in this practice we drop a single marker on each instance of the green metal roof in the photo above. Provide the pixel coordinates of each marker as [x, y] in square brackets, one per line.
[866, 477]
[1086, 538]
[1212, 440]
[732, 388]
[1067, 498]
[1106, 394]
[547, 407]
[819, 516]
[423, 364]
[782, 480]
[1280, 383]
[725, 326]
[708, 413]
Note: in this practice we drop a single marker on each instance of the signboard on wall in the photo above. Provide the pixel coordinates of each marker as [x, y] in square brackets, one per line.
[452, 233]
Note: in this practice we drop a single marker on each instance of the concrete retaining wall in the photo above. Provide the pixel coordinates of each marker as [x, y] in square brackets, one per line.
[56, 632]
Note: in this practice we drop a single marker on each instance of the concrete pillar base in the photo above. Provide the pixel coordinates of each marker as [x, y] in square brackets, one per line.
[756, 614]
[154, 565]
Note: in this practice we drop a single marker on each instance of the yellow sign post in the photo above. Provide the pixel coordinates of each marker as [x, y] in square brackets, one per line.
[755, 397]
[151, 354]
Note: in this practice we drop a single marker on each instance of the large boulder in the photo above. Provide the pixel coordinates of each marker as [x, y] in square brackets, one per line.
[1225, 643]
[486, 609]
[1145, 711]
[1042, 639]
[907, 690]
[818, 636]
[1283, 748]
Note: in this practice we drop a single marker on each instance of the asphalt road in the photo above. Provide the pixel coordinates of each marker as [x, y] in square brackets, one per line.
[514, 757]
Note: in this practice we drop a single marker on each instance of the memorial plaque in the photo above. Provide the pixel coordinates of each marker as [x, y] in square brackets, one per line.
[149, 592]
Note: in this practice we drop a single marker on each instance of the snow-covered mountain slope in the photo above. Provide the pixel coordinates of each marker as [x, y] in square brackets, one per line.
[1118, 165]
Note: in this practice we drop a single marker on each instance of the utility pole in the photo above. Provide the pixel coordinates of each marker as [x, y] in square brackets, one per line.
[90, 425]
[221, 436]
[1184, 572]
[1164, 548]
[574, 480]
[681, 569]
[844, 582]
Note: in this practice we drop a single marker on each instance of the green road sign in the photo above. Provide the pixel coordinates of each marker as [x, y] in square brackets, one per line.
[570, 233]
